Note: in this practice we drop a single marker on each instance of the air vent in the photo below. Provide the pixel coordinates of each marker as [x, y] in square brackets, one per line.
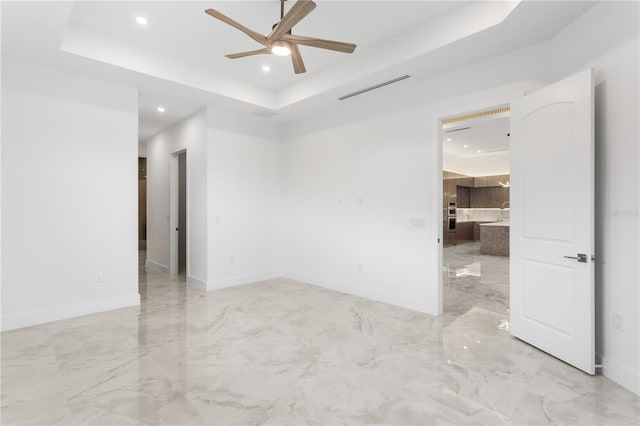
[377, 86]
[264, 113]
[457, 130]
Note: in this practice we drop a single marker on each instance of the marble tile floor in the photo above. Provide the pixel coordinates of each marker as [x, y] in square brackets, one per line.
[471, 279]
[286, 353]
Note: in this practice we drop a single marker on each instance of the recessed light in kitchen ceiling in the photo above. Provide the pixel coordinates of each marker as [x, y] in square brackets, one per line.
[142, 20]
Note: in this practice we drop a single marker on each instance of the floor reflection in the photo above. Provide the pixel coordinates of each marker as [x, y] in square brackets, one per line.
[285, 352]
[471, 279]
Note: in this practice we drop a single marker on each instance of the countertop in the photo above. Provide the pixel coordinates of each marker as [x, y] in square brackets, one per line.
[496, 224]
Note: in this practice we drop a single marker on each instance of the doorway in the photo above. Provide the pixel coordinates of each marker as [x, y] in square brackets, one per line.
[142, 204]
[552, 261]
[178, 263]
[476, 213]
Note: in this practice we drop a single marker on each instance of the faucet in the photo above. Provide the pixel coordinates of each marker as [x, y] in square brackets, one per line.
[506, 202]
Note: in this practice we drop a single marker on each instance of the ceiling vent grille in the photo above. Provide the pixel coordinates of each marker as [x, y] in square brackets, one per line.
[264, 113]
[457, 130]
[377, 86]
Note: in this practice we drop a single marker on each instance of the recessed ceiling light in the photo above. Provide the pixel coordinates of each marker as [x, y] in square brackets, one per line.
[266, 68]
[141, 20]
[479, 150]
[448, 139]
[465, 146]
[161, 109]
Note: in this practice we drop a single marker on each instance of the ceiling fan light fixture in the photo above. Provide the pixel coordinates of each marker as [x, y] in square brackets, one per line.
[281, 48]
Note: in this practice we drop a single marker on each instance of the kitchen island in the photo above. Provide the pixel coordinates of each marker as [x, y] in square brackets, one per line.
[494, 238]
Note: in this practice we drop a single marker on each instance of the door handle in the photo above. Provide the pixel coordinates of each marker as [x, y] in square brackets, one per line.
[581, 257]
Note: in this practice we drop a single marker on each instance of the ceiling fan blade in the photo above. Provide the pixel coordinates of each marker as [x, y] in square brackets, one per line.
[297, 12]
[254, 35]
[338, 46]
[264, 51]
[296, 58]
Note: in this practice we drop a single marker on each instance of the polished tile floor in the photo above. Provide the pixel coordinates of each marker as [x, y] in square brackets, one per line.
[471, 279]
[283, 352]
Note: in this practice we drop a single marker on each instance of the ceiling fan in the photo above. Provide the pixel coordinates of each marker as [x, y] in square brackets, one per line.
[280, 41]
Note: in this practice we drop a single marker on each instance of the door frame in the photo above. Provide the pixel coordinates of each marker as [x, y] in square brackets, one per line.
[174, 213]
[458, 107]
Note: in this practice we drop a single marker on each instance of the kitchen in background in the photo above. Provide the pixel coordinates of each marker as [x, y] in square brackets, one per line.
[476, 208]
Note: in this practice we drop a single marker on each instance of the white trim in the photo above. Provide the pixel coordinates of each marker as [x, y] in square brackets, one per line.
[421, 305]
[242, 279]
[64, 312]
[198, 283]
[150, 264]
[619, 373]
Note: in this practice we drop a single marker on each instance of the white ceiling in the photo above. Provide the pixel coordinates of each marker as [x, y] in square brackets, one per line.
[178, 60]
[182, 31]
[487, 136]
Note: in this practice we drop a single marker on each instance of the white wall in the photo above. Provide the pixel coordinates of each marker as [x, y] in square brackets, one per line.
[245, 200]
[350, 193]
[485, 165]
[142, 149]
[189, 134]
[384, 160]
[617, 78]
[69, 195]
[234, 198]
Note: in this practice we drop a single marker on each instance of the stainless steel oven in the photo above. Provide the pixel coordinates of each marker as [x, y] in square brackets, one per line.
[451, 217]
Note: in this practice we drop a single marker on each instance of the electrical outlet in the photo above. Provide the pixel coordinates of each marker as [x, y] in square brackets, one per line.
[232, 260]
[99, 277]
[618, 322]
[360, 267]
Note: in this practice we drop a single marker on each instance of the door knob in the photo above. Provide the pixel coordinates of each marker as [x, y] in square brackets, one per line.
[581, 257]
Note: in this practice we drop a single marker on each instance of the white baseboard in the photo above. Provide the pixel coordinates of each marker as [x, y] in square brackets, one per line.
[421, 305]
[619, 373]
[197, 283]
[242, 279]
[63, 312]
[150, 264]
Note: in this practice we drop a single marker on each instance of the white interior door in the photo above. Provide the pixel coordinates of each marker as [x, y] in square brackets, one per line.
[552, 225]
